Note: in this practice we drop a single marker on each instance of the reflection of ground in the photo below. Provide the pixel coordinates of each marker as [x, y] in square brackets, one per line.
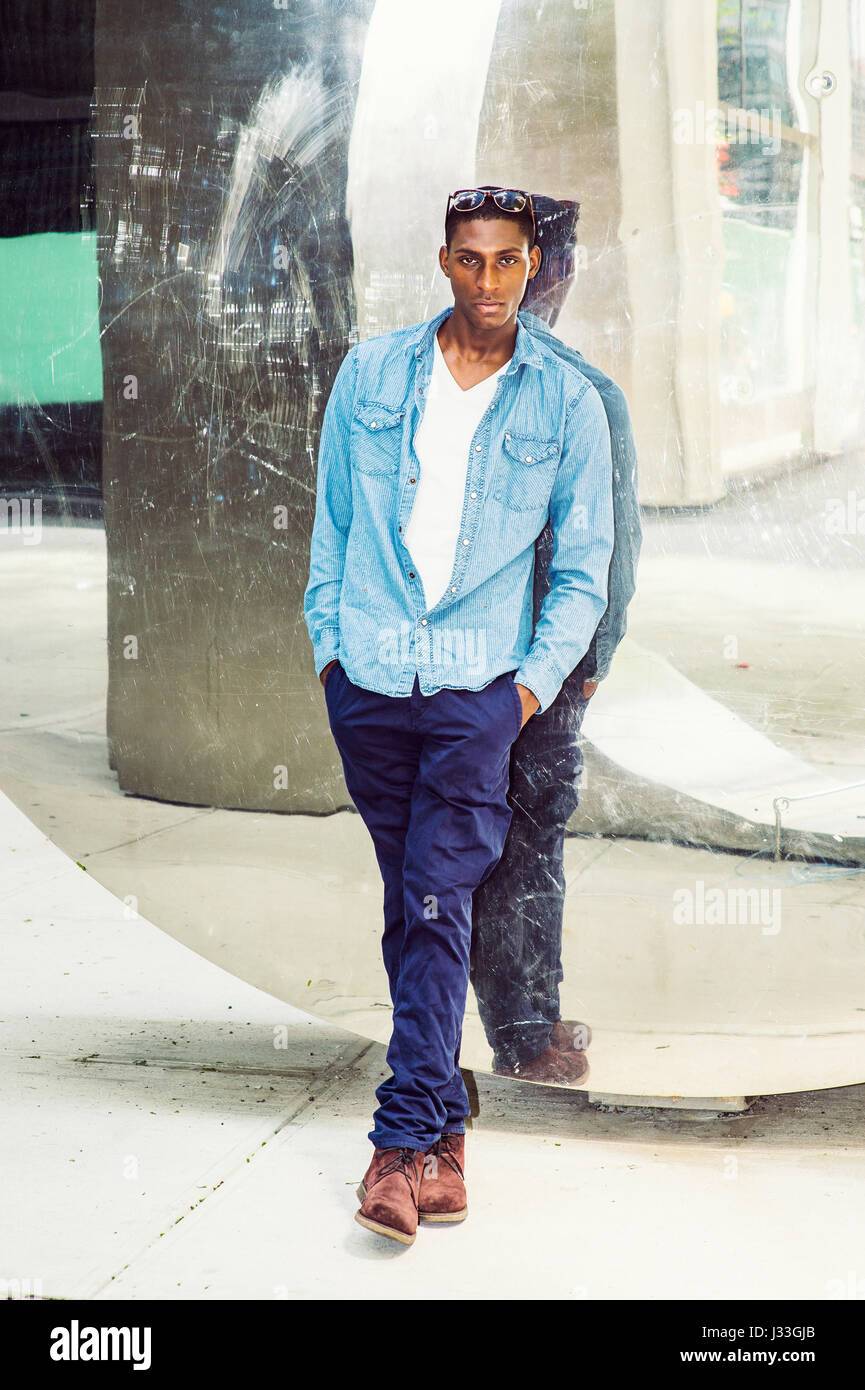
[764, 1000]
[761, 579]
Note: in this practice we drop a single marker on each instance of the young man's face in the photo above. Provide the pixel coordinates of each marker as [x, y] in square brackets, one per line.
[489, 264]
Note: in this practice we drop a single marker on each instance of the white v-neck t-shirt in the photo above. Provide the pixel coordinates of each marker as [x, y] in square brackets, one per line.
[442, 442]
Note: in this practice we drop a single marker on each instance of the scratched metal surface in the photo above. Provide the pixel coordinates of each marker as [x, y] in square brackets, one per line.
[227, 307]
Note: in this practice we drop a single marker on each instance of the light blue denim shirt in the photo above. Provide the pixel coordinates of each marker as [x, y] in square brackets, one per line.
[541, 449]
[622, 578]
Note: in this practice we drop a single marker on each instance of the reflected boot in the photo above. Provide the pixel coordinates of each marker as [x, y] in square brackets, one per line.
[442, 1185]
[389, 1193]
[570, 1036]
[550, 1068]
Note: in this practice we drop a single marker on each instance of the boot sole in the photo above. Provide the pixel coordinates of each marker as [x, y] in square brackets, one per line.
[380, 1230]
[443, 1216]
[534, 1081]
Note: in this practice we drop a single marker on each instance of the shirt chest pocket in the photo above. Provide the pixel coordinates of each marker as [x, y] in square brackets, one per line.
[528, 471]
[376, 439]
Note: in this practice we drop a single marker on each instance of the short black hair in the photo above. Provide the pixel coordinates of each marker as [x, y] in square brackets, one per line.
[488, 209]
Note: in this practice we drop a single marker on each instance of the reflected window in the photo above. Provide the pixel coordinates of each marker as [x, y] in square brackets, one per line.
[763, 151]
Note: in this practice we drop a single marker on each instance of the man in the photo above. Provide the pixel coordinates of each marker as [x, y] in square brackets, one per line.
[444, 449]
[517, 912]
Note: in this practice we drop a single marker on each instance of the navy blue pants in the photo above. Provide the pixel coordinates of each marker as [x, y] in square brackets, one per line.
[429, 775]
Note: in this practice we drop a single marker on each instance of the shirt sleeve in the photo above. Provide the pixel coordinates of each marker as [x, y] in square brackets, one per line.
[333, 513]
[622, 581]
[581, 520]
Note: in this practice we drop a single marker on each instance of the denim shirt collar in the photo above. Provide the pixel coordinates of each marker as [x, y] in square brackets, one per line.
[525, 349]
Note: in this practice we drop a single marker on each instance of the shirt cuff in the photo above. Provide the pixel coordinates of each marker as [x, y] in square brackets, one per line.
[540, 680]
[326, 648]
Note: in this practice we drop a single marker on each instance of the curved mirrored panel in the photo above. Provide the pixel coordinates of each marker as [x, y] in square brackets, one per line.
[670, 880]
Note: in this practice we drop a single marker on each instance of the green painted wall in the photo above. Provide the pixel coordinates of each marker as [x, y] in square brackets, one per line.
[49, 319]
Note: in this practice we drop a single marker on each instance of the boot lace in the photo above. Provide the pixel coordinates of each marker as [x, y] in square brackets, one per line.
[403, 1161]
[444, 1149]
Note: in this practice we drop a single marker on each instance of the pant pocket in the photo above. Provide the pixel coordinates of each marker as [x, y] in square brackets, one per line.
[335, 673]
[518, 702]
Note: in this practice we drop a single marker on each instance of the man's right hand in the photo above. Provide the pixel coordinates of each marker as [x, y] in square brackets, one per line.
[325, 669]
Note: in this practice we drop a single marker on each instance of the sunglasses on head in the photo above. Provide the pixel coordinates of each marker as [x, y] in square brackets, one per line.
[508, 199]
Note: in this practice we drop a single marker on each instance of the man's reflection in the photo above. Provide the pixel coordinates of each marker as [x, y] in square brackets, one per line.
[517, 912]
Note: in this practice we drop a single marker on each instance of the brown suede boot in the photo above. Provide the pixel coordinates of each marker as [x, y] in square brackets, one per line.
[550, 1068]
[442, 1185]
[570, 1036]
[389, 1192]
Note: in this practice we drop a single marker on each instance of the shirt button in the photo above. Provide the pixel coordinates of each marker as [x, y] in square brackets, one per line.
[528, 458]
[477, 448]
[411, 480]
[453, 588]
[411, 574]
[474, 494]
[374, 425]
[507, 436]
[465, 540]
[423, 622]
